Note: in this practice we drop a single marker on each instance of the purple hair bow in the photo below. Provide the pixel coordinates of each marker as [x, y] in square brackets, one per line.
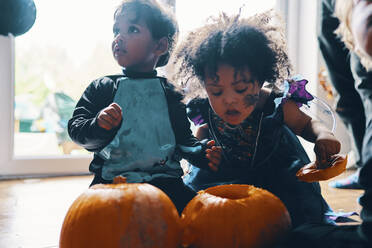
[297, 92]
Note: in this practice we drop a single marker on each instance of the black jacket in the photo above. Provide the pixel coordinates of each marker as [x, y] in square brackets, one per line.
[84, 130]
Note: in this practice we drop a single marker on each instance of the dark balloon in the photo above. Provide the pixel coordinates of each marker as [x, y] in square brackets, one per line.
[16, 16]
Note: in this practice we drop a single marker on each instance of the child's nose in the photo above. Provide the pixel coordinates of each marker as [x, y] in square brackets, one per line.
[229, 100]
[118, 39]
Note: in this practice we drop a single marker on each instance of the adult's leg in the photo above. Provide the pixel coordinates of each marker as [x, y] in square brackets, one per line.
[364, 87]
[349, 105]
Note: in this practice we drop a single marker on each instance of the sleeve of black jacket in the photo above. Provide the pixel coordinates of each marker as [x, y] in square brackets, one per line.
[82, 127]
[188, 146]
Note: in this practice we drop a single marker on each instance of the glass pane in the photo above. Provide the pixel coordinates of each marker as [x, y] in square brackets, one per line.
[68, 47]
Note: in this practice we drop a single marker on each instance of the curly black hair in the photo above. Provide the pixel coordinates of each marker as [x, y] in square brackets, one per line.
[256, 43]
[159, 19]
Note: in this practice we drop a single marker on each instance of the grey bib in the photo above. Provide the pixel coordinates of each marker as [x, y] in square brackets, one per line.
[144, 145]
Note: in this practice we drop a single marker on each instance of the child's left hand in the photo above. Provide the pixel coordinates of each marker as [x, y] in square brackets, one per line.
[213, 155]
[326, 145]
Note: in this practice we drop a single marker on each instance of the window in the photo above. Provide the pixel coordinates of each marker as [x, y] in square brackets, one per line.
[43, 74]
[68, 47]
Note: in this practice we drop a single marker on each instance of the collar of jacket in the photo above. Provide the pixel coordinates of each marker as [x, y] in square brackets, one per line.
[136, 74]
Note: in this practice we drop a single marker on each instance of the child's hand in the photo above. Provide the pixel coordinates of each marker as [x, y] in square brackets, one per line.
[110, 117]
[326, 145]
[214, 155]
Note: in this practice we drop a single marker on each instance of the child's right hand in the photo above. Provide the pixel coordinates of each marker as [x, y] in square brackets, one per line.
[110, 117]
[213, 155]
[326, 145]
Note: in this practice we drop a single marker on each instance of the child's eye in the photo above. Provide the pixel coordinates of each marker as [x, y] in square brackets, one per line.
[133, 29]
[216, 93]
[241, 90]
[214, 90]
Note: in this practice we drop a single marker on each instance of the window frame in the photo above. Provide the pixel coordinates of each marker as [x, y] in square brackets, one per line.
[11, 166]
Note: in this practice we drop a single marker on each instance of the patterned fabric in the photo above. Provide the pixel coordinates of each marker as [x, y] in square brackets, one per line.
[238, 142]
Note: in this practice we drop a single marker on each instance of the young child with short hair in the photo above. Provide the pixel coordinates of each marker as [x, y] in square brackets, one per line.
[135, 123]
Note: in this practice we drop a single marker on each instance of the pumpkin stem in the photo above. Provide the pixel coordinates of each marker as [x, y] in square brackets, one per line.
[120, 179]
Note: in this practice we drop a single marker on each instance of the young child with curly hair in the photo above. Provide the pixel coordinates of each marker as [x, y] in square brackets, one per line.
[223, 67]
[135, 123]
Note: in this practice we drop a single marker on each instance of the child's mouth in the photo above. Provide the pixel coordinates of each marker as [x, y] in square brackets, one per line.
[232, 113]
[232, 116]
[119, 51]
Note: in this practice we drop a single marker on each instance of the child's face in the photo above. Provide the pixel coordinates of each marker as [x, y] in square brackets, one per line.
[133, 46]
[233, 97]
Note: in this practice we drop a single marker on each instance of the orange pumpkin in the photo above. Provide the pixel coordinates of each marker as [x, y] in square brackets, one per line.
[311, 173]
[121, 215]
[234, 216]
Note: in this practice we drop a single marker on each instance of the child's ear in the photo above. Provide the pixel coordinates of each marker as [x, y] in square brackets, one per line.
[162, 46]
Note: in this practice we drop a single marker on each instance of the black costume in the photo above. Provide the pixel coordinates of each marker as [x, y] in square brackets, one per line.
[84, 130]
[261, 151]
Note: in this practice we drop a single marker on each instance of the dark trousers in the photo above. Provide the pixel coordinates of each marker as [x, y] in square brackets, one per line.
[349, 104]
[364, 87]
[363, 82]
[176, 190]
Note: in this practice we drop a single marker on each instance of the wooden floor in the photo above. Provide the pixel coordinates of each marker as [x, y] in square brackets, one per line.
[342, 200]
[32, 210]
